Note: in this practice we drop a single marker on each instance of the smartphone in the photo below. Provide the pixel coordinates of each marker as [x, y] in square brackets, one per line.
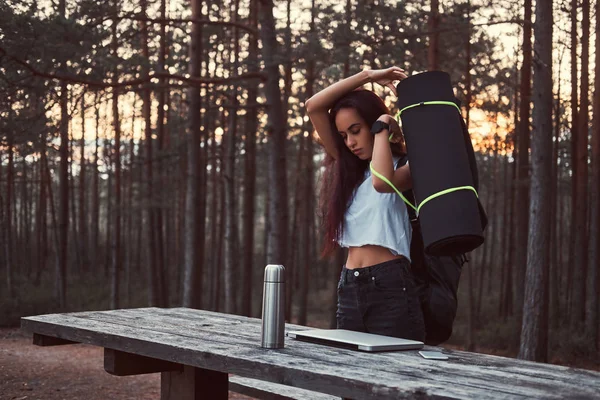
[433, 355]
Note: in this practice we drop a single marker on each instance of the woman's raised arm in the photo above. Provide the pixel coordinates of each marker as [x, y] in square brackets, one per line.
[318, 105]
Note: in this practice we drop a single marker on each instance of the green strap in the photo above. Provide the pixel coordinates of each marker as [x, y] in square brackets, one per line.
[446, 191]
[383, 178]
[426, 103]
[433, 196]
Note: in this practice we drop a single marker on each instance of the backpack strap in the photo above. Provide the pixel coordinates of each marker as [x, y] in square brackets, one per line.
[383, 178]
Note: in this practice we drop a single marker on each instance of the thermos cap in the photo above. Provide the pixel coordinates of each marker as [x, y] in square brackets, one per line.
[274, 273]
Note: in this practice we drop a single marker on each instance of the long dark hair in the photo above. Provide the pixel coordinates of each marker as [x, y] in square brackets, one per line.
[343, 175]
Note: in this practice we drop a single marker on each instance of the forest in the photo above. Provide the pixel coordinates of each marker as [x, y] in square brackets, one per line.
[159, 153]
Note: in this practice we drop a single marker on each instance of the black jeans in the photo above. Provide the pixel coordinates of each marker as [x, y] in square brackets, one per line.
[381, 299]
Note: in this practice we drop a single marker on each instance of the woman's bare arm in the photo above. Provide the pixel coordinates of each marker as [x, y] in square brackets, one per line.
[318, 107]
[382, 162]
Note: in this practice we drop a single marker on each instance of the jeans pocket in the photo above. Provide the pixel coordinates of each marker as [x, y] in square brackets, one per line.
[393, 278]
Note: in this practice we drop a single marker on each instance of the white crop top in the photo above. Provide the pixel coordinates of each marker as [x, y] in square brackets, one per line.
[374, 218]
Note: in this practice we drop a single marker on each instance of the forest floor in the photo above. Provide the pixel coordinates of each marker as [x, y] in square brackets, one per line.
[29, 372]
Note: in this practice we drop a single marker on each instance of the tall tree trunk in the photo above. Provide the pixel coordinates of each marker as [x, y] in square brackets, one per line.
[154, 295]
[131, 213]
[495, 211]
[181, 195]
[534, 333]
[433, 51]
[277, 140]
[574, 149]
[308, 203]
[73, 203]
[302, 208]
[24, 221]
[591, 317]
[507, 299]
[115, 300]
[523, 161]
[294, 278]
[161, 267]
[580, 259]
[201, 214]
[287, 64]
[83, 235]
[231, 232]
[215, 238]
[109, 208]
[505, 228]
[42, 218]
[554, 238]
[250, 168]
[75, 239]
[8, 221]
[308, 223]
[347, 39]
[96, 188]
[562, 228]
[63, 177]
[220, 229]
[25, 242]
[52, 211]
[192, 271]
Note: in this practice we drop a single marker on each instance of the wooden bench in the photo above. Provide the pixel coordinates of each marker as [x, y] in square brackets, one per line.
[272, 391]
[196, 350]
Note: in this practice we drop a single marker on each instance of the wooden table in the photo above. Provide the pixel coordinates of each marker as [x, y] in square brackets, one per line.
[195, 350]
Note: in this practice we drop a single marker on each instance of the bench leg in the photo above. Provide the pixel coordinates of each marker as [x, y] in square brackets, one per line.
[194, 384]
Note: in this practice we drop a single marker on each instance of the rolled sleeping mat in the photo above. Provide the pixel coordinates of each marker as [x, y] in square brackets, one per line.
[443, 179]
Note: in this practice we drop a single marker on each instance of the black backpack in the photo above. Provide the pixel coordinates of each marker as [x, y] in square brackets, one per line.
[437, 280]
[438, 276]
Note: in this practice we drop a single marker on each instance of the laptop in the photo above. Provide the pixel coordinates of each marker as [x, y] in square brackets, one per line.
[355, 340]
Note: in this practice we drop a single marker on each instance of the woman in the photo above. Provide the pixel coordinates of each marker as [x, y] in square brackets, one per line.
[377, 291]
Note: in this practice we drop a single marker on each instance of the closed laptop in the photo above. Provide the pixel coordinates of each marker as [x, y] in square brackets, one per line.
[355, 340]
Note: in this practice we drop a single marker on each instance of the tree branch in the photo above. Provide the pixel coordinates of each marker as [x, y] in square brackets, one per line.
[246, 28]
[426, 33]
[133, 82]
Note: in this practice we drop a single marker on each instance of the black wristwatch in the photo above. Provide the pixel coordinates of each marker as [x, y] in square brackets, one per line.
[378, 126]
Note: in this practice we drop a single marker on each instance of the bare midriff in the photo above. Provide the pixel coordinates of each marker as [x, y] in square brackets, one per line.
[365, 256]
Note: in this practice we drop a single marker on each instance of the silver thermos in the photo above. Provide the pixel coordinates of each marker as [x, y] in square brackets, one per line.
[273, 308]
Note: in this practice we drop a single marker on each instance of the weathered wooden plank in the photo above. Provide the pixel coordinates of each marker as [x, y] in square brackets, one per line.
[272, 391]
[120, 363]
[478, 360]
[462, 363]
[240, 360]
[194, 384]
[43, 340]
[235, 340]
[490, 378]
[171, 323]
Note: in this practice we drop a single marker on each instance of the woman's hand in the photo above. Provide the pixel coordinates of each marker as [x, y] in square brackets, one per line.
[386, 77]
